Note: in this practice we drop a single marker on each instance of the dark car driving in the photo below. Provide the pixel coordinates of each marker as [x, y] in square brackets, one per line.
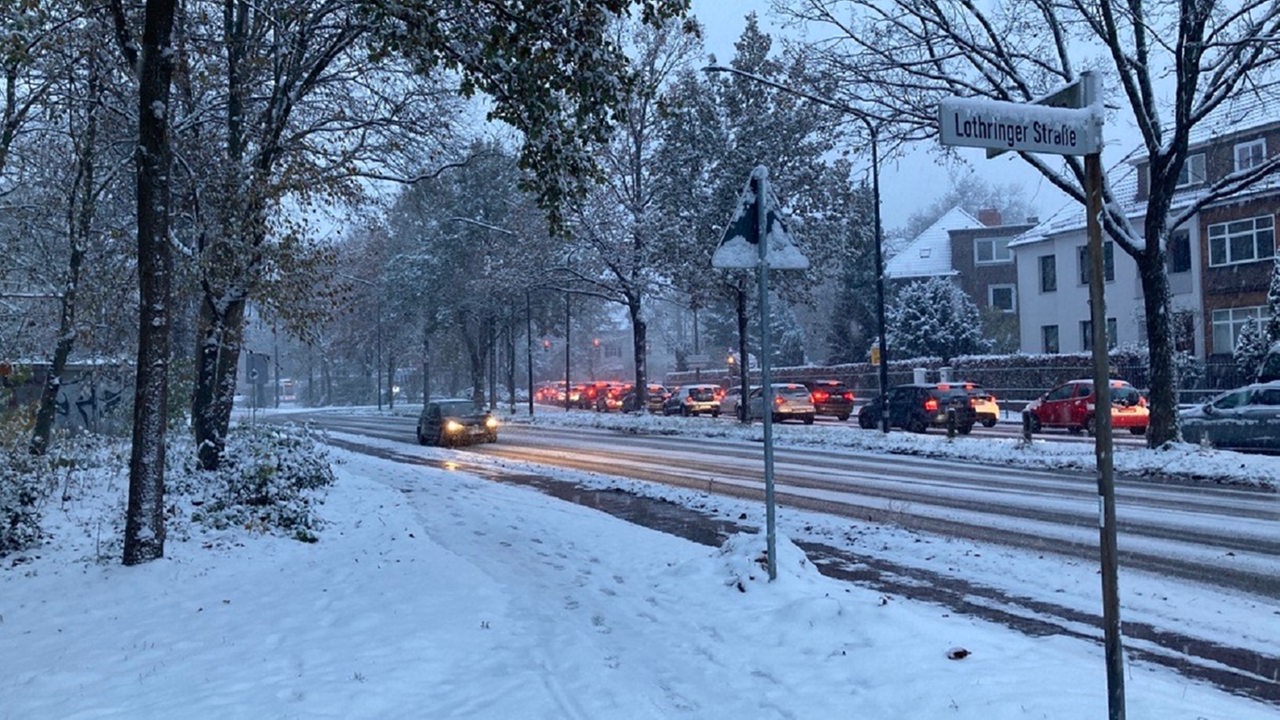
[918, 407]
[831, 397]
[455, 422]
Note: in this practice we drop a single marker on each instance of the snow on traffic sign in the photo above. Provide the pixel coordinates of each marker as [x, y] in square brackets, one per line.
[739, 248]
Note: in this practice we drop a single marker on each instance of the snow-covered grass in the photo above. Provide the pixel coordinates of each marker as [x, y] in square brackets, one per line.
[433, 593]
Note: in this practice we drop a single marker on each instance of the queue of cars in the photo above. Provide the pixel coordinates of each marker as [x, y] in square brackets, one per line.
[1245, 418]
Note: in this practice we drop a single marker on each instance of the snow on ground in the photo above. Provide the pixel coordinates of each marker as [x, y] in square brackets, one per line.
[433, 593]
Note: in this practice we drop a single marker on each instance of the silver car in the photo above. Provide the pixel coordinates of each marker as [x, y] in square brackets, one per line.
[790, 401]
[1247, 418]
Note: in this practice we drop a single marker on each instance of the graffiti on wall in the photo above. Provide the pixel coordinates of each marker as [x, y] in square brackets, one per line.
[92, 400]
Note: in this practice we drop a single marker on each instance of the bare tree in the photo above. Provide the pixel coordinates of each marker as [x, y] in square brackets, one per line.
[897, 59]
[154, 59]
[617, 224]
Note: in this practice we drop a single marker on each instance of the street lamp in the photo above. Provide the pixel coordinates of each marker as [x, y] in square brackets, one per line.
[865, 118]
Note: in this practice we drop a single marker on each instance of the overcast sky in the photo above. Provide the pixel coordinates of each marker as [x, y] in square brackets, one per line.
[902, 180]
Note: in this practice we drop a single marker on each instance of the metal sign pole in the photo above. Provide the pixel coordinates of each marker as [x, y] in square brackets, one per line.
[1103, 444]
[766, 390]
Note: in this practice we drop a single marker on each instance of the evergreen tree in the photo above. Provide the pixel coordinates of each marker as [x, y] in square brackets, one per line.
[933, 318]
[1250, 348]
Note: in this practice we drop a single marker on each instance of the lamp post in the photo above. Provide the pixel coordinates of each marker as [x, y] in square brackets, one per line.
[873, 131]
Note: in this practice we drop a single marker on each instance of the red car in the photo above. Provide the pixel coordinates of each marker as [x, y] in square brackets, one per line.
[1071, 405]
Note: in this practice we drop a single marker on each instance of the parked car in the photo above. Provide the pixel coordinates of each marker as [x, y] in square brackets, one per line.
[455, 422]
[919, 406]
[831, 397]
[1246, 418]
[1071, 405]
[791, 401]
[693, 400]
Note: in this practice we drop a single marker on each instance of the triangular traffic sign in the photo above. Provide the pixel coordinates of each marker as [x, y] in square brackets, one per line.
[739, 248]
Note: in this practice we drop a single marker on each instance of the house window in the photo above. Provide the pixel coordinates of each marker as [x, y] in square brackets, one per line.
[1086, 334]
[1049, 339]
[988, 251]
[1003, 297]
[1048, 273]
[1250, 154]
[1228, 323]
[1179, 252]
[1108, 262]
[1192, 172]
[1241, 241]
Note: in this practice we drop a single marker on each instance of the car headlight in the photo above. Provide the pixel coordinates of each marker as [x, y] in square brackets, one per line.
[453, 426]
[491, 423]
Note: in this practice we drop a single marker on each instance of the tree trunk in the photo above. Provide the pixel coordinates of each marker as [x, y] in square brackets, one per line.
[426, 367]
[79, 224]
[1163, 385]
[639, 343]
[144, 519]
[744, 362]
[217, 358]
[391, 378]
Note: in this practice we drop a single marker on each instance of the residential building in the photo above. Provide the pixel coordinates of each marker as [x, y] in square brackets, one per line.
[975, 254]
[1219, 259]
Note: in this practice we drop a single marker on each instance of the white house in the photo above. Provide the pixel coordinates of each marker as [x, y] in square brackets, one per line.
[1219, 259]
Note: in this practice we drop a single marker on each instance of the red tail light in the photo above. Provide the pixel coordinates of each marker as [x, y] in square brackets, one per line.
[778, 400]
[931, 405]
[819, 396]
[848, 396]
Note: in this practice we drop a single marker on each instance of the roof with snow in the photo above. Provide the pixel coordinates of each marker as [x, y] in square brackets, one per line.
[1248, 113]
[929, 253]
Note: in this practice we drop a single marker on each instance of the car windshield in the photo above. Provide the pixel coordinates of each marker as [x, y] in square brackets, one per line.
[792, 392]
[458, 407]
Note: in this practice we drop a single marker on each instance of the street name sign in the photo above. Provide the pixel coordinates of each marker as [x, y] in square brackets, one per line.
[1020, 127]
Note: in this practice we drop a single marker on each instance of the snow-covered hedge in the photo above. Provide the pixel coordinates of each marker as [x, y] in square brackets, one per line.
[270, 480]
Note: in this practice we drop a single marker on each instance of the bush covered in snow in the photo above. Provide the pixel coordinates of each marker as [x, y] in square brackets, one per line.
[272, 481]
[30, 484]
[268, 481]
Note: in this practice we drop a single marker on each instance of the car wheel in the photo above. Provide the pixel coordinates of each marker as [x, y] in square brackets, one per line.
[715, 413]
[1138, 430]
[1035, 423]
[916, 425]
[865, 421]
[808, 419]
[684, 411]
[1090, 426]
[843, 417]
[422, 439]
[1075, 429]
[965, 429]
[989, 422]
